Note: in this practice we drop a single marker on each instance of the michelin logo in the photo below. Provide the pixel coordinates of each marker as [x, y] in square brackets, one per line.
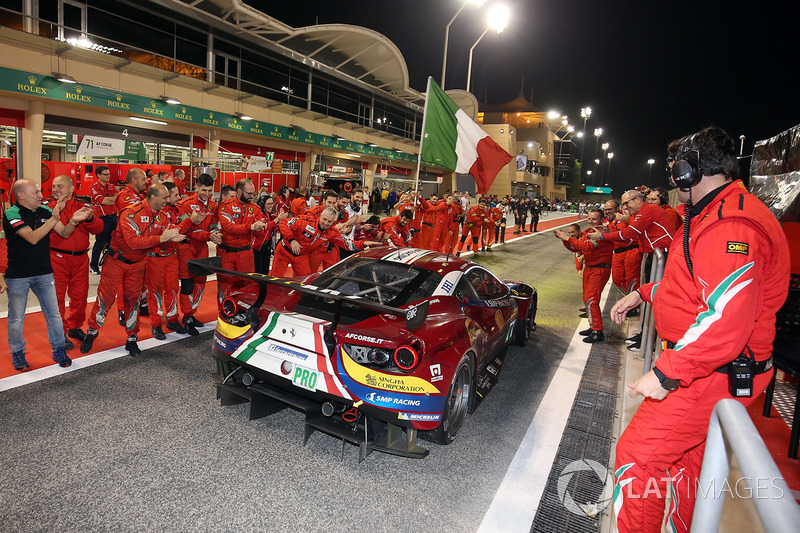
[374, 397]
[281, 351]
[421, 417]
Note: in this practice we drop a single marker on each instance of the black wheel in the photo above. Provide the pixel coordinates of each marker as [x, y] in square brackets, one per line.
[524, 328]
[457, 405]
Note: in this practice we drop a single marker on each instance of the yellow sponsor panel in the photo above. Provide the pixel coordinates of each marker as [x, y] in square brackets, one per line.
[381, 380]
[229, 331]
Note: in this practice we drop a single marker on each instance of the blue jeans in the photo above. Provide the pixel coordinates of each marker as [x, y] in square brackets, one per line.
[45, 290]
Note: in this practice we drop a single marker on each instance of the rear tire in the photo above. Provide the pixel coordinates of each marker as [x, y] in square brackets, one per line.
[457, 404]
[524, 328]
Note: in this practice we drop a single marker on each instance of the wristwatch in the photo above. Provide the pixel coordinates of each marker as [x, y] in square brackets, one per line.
[666, 383]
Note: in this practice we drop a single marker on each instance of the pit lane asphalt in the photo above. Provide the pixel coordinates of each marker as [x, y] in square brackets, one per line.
[142, 444]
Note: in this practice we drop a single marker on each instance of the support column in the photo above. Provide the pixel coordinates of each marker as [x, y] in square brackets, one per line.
[212, 145]
[31, 155]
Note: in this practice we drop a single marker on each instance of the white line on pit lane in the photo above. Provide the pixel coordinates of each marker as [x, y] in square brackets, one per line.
[517, 499]
[32, 376]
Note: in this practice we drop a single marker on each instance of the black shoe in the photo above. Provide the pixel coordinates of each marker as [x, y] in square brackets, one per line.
[60, 356]
[176, 327]
[121, 317]
[144, 310]
[68, 345]
[19, 362]
[635, 347]
[95, 270]
[489, 249]
[193, 321]
[158, 333]
[458, 254]
[633, 312]
[585, 332]
[133, 348]
[635, 339]
[76, 334]
[583, 315]
[595, 336]
[582, 309]
[190, 329]
[88, 341]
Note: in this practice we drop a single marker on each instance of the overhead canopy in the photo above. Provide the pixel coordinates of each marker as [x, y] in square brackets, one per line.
[360, 54]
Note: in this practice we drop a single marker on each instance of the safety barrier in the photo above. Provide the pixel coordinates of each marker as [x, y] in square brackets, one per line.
[649, 335]
[732, 433]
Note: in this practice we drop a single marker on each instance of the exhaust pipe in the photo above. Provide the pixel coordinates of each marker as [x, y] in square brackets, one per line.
[247, 379]
[327, 409]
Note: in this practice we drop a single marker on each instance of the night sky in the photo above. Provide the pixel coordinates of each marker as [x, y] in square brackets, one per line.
[650, 71]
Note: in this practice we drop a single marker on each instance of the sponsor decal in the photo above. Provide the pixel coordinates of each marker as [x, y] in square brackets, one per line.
[364, 338]
[436, 373]
[378, 398]
[282, 351]
[419, 417]
[236, 209]
[305, 378]
[738, 248]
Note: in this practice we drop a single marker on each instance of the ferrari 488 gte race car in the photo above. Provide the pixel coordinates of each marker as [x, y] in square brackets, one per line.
[385, 343]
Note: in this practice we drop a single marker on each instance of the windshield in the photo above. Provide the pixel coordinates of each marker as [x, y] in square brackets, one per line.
[383, 282]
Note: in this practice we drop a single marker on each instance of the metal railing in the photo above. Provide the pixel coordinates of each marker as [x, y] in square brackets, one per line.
[732, 433]
[649, 335]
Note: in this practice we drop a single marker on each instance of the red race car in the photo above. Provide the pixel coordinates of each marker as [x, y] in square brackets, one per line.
[385, 343]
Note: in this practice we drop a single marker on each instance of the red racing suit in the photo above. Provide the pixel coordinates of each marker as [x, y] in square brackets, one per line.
[473, 225]
[626, 265]
[652, 226]
[452, 227]
[494, 216]
[138, 231]
[444, 213]
[307, 233]
[740, 279]
[235, 219]
[70, 260]
[396, 234]
[162, 272]
[126, 198]
[193, 287]
[596, 271]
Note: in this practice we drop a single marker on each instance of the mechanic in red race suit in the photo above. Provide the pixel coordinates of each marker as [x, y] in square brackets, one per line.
[103, 196]
[596, 271]
[395, 229]
[327, 256]
[136, 181]
[626, 263]
[660, 197]
[453, 225]
[443, 211]
[195, 247]
[649, 223]
[70, 258]
[302, 235]
[282, 202]
[428, 211]
[240, 221]
[329, 199]
[477, 216]
[161, 273]
[714, 306]
[489, 229]
[141, 227]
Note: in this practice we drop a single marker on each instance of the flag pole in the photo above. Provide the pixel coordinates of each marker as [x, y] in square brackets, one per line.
[422, 135]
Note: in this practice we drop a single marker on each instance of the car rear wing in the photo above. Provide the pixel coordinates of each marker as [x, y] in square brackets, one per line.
[414, 316]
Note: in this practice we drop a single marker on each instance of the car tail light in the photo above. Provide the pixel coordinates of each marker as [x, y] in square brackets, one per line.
[406, 358]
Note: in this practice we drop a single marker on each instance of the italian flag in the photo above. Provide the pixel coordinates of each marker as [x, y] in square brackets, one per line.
[451, 139]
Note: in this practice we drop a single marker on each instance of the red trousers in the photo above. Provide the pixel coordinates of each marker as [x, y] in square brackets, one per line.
[452, 238]
[475, 231]
[239, 261]
[280, 262]
[594, 280]
[71, 273]
[625, 270]
[440, 234]
[320, 257]
[425, 237]
[664, 443]
[117, 274]
[162, 288]
[192, 287]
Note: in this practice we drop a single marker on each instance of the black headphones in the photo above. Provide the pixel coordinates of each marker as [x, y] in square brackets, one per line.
[686, 171]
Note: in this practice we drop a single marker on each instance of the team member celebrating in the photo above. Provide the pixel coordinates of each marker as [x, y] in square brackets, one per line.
[240, 219]
[70, 258]
[162, 266]
[395, 229]
[596, 271]
[141, 228]
[27, 225]
[195, 247]
[715, 307]
[477, 216]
